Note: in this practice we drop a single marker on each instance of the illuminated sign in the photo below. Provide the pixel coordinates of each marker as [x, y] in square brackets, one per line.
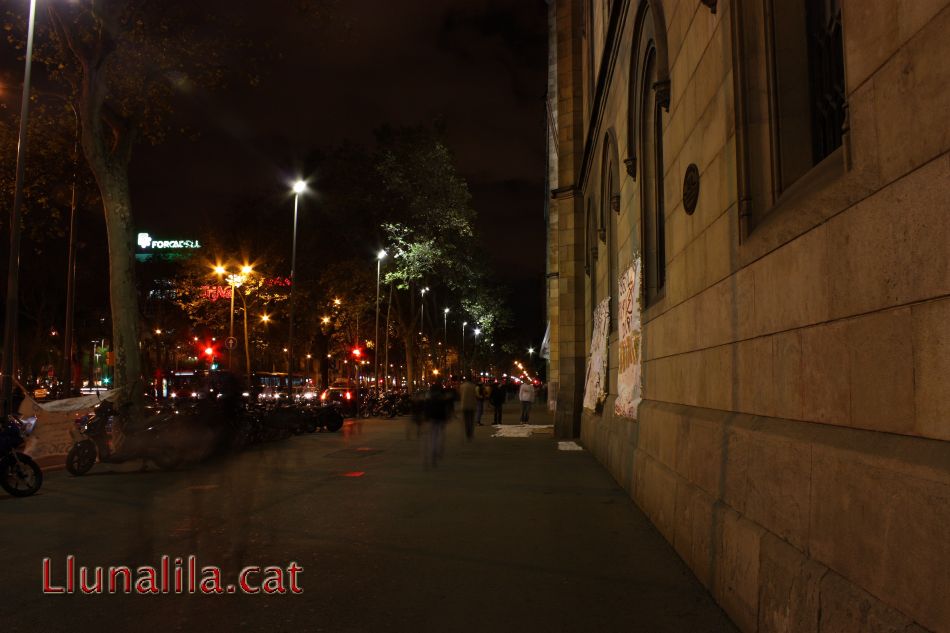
[146, 242]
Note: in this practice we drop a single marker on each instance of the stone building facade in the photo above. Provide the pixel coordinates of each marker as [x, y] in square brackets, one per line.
[793, 438]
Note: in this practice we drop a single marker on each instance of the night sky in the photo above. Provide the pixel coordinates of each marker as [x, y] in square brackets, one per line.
[478, 65]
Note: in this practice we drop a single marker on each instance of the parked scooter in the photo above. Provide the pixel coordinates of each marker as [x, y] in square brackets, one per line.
[19, 474]
[153, 442]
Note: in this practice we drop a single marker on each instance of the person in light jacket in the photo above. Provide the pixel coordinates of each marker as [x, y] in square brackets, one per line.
[468, 396]
[526, 395]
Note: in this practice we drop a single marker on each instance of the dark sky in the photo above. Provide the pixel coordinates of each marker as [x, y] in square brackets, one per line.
[479, 65]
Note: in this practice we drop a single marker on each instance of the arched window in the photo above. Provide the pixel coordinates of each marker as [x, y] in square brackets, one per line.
[651, 188]
[592, 249]
[610, 209]
[649, 102]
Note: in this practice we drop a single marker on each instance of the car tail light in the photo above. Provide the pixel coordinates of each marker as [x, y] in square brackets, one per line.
[349, 396]
[323, 396]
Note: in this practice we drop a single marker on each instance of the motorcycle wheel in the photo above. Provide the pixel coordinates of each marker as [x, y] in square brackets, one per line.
[81, 458]
[333, 421]
[167, 459]
[20, 475]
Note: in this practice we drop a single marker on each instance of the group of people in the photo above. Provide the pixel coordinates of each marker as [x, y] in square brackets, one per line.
[471, 398]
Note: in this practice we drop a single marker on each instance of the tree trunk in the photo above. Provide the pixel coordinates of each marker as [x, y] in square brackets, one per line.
[409, 343]
[122, 289]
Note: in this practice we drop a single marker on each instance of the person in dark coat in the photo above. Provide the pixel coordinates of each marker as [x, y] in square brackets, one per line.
[497, 399]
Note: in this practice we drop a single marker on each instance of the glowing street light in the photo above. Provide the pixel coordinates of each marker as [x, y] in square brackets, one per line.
[234, 281]
[265, 318]
[445, 336]
[299, 187]
[380, 256]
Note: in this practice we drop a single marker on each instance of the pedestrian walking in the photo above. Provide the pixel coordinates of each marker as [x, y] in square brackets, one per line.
[497, 399]
[468, 397]
[526, 396]
[482, 395]
[438, 407]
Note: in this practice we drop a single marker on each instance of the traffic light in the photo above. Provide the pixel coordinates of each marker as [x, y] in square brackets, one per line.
[357, 352]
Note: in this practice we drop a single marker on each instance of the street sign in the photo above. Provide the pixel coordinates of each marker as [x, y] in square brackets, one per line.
[230, 342]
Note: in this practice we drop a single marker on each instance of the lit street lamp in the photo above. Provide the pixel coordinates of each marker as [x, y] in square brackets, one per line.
[477, 331]
[422, 326]
[380, 256]
[299, 187]
[235, 281]
[462, 355]
[13, 265]
[445, 338]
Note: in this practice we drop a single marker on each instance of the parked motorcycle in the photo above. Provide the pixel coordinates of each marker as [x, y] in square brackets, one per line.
[153, 442]
[19, 474]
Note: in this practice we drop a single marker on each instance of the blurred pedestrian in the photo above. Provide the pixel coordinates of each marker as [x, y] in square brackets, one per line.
[468, 396]
[526, 396]
[437, 408]
[497, 399]
[481, 396]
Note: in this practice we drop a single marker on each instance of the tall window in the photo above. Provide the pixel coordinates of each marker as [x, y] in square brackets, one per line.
[651, 185]
[794, 48]
[610, 198]
[592, 247]
[826, 67]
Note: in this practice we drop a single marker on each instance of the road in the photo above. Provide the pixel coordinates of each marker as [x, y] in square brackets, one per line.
[506, 534]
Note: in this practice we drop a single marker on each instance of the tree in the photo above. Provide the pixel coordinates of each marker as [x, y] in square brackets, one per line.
[127, 62]
[431, 234]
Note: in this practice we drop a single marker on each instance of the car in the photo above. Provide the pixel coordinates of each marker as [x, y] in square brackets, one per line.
[343, 394]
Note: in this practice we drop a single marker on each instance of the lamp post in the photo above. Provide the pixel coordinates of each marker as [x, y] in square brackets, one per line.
[299, 187]
[477, 331]
[13, 265]
[71, 268]
[235, 281]
[445, 339]
[422, 313]
[380, 256]
[462, 357]
[422, 327]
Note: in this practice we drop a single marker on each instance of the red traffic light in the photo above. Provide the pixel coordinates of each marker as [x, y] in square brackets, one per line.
[357, 352]
[209, 351]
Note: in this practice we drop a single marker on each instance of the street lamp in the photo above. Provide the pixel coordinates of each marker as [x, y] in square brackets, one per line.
[13, 265]
[477, 331]
[299, 187]
[462, 356]
[445, 337]
[422, 324]
[380, 256]
[235, 281]
[422, 314]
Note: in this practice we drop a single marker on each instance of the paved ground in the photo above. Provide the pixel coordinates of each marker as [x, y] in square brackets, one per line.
[506, 534]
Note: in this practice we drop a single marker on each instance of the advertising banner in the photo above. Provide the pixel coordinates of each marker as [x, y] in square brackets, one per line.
[629, 391]
[596, 382]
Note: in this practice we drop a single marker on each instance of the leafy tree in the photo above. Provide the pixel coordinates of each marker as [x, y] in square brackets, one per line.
[127, 63]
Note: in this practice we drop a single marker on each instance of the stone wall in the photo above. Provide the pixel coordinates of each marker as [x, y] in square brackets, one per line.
[792, 444]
